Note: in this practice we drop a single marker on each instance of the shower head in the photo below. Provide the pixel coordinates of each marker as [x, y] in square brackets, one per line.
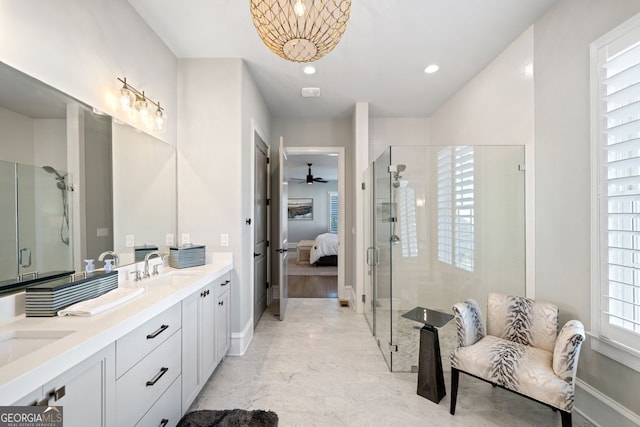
[401, 168]
[52, 170]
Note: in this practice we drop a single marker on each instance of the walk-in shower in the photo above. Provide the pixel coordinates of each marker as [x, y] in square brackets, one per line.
[445, 223]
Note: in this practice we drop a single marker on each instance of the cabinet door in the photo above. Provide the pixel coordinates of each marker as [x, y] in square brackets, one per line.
[190, 377]
[86, 391]
[207, 335]
[223, 325]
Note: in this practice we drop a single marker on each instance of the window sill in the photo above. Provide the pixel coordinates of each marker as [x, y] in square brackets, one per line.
[616, 351]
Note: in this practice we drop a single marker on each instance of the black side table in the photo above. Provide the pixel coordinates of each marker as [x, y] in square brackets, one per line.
[430, 376]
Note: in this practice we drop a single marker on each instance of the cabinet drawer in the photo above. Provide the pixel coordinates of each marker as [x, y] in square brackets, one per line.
[166, 411]
[142, 340]
[222, 284]
[142, 385]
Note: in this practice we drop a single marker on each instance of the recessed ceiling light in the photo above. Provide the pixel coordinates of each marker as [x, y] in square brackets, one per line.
[309, 69]
[431, 69]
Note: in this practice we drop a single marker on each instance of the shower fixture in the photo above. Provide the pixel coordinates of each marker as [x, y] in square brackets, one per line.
[395, 170]
[61, 184]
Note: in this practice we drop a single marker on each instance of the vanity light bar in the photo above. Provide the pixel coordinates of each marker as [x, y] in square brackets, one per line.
[132, 100]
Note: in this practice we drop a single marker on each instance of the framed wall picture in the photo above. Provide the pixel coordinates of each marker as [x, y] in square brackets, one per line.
[300, 209]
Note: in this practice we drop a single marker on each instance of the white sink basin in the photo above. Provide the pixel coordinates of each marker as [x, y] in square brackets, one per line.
[16, 344]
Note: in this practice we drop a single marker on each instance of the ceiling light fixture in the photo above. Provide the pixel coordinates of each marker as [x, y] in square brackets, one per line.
[135, 103]
[309, 69]
[431, 69]
[303, 31]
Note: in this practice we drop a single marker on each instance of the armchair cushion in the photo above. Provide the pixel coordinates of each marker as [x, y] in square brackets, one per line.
[517, 367]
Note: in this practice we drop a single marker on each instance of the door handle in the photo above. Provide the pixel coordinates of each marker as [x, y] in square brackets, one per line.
[280, 251]
[256, 255]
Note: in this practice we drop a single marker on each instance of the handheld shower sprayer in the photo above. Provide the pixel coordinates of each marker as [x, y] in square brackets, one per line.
[61, 184]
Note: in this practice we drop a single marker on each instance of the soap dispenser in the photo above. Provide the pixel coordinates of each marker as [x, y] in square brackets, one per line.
[108, 266]
[89, 268]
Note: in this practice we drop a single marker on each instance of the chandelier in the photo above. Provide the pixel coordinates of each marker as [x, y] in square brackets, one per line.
[300, 30]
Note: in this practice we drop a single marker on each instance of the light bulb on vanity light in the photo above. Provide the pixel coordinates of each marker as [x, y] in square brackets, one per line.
[300, 8]
[127, 98]
[160, 120]
[142, 105]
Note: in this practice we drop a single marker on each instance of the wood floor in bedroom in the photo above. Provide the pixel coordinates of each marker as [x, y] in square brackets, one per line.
[308, 281]
[313, 286]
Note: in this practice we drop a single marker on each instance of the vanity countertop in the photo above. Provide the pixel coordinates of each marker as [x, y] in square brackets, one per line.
[90, 334]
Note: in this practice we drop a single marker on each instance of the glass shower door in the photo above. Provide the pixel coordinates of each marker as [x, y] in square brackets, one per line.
[43, 210]
[382, 230]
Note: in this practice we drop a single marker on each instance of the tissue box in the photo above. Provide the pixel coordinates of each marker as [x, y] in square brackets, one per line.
[141, 251]
[186, 256]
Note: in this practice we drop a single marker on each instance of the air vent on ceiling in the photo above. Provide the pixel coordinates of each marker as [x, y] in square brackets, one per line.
[310, 92]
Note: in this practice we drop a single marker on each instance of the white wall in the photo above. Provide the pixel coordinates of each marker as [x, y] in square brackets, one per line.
[217, 101]
[562, 150]
[17, 137]
[309, 229]
[81, 46]
[384, 132]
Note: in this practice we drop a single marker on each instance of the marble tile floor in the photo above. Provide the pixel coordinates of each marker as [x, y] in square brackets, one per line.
[322, 367]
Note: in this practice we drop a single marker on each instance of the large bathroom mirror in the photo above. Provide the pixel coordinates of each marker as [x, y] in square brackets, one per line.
[122, 197]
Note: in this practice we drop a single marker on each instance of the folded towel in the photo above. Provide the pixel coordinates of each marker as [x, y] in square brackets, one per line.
[104, 302]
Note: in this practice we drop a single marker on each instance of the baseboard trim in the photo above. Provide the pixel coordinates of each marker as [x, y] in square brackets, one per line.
[240, 340]
[600, 409]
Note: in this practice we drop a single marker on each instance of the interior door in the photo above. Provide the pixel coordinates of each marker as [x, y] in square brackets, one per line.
[260, 258]
[284, 229]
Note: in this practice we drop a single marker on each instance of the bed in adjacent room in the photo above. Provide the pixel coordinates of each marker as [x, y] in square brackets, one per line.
[324, 251]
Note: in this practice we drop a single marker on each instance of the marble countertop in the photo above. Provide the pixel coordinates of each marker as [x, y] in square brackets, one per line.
[91, 334]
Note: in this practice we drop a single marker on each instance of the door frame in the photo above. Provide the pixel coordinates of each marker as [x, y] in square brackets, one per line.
[343, 292]
[255, 129]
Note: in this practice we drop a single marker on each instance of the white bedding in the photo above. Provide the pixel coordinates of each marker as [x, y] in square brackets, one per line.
[324, 245]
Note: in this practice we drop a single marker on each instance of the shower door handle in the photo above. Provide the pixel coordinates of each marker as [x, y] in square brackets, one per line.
[372, 256]
[21, 257]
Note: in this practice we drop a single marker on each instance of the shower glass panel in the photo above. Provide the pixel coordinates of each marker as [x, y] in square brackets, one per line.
[43, 240]
[382, 226]
[449, 225]
[369, 266]
[8, 230]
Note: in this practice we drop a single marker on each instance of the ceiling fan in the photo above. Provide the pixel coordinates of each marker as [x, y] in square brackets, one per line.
[310, 179]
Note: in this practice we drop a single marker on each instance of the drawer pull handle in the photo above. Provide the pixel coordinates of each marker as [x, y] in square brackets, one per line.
[226, 282]
[221, 303]
[164, 422]
[160, 330]
[58, 394]
[157, 377]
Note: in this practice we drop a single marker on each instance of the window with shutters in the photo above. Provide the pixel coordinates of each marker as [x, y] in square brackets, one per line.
[333, 212]
[456, 207]
[615, 71]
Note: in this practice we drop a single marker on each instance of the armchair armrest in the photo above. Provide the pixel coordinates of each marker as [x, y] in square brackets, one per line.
[567, 350]
[468, 322]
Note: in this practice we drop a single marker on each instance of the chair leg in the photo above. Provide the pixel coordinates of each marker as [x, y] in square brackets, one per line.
[566, 418]
[455, 376]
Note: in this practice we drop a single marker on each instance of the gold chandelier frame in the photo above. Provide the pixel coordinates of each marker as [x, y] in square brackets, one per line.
[300, 37]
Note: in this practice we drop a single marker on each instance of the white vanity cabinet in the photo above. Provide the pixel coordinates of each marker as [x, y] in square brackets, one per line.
[206, 335]
[86, 391]
[147, 367]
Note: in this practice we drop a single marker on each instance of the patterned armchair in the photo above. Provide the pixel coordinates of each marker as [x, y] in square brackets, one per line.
[521, 350]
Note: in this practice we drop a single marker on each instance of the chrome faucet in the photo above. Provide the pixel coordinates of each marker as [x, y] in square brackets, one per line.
[148, 256]
[113, 255]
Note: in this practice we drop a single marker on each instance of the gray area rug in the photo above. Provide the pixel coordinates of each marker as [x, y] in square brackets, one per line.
[229, 418]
